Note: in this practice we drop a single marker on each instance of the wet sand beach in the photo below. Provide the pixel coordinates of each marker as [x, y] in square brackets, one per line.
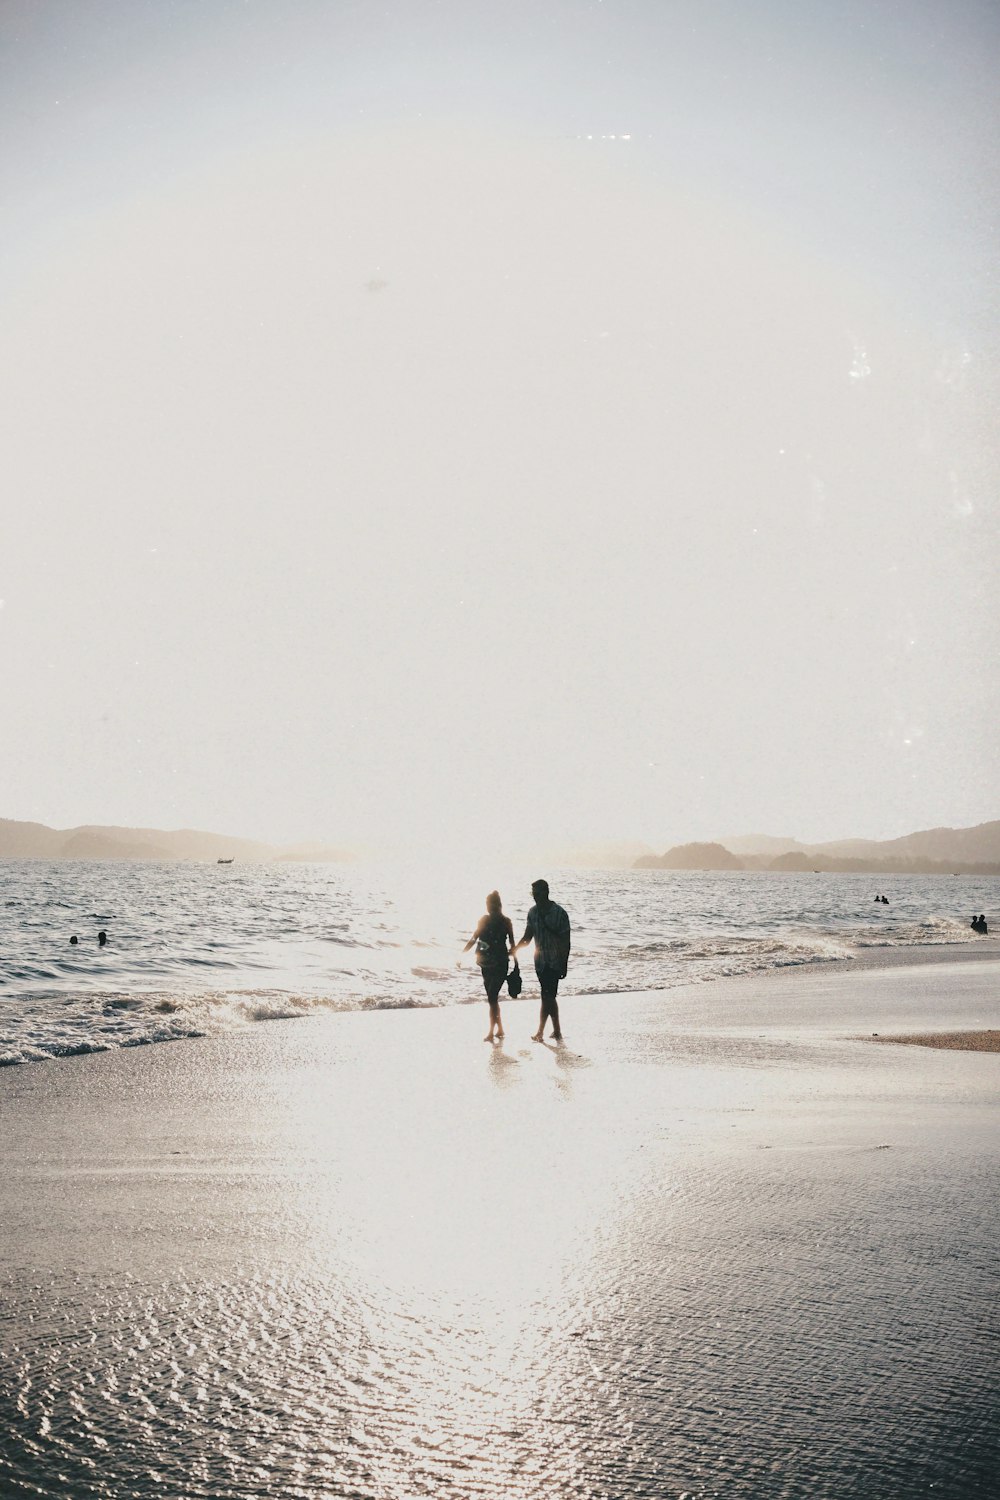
[716, 1244]
[956, 1041]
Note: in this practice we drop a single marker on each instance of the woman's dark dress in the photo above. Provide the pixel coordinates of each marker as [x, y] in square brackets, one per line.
[491, 950]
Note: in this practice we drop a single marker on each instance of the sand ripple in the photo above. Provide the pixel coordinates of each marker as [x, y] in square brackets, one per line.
[732, 1338]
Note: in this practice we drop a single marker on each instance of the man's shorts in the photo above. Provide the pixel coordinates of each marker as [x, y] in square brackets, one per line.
[548, 981]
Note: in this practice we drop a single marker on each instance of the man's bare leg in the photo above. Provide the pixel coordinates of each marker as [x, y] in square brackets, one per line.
[550, 1011]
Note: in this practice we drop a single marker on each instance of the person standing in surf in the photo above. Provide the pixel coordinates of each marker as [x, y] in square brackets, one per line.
[548, 924]
[493, 937]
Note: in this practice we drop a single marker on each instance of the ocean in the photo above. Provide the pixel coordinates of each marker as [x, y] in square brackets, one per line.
[196, 950]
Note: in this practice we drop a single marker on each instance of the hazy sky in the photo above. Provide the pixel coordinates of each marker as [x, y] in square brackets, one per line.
[447, 421]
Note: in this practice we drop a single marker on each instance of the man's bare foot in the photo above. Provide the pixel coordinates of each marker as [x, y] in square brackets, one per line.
[488, 1038]
[557, 1036]
[501, 1035]
[537, 1037]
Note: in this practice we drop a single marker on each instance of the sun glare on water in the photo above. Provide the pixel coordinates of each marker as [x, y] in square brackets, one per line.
[469, 1262]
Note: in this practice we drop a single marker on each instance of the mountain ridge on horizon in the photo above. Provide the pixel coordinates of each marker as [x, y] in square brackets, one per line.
[929, 850]
[978, 845]
[25, 840]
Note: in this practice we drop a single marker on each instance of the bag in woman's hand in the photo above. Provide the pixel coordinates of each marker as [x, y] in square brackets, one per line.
[514, 982]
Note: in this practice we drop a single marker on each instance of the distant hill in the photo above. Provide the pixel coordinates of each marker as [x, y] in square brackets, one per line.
[979, 845]
[934, 851]
[36, 841]
[691, 857]
[792, 859]
[29, 840]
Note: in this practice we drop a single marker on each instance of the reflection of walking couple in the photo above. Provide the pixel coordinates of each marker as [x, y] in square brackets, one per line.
[548, 926]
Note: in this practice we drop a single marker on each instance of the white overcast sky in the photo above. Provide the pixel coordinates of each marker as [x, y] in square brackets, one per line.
[425, 421]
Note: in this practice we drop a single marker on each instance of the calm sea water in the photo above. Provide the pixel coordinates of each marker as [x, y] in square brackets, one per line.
[199, 949]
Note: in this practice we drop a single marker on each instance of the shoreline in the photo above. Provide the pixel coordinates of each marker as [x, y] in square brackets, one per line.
[247, 1004]
[369, 1254]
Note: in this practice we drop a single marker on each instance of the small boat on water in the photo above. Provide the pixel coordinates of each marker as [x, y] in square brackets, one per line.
[223, 861]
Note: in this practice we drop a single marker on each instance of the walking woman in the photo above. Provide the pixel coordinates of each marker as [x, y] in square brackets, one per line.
[493, 938]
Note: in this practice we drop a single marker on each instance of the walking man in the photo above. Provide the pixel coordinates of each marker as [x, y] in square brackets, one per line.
[548, 924]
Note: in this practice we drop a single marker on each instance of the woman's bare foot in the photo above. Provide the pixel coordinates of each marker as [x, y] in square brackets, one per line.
[537, 1037]
[501, 1035]
[488, 1038]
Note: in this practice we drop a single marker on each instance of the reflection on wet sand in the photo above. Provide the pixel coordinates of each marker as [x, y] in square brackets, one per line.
[361, 1258]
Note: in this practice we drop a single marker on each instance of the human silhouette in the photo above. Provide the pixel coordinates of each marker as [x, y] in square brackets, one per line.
[493, 937]
[102, 939]
[74, 939]
[548, 925]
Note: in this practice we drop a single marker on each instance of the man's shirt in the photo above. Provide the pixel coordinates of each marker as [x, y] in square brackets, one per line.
[550, 930]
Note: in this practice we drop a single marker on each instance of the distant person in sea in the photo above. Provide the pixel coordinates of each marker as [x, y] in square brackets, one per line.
[548, 925]
[74, 939]
[978, 924]
[102, 939]
[494, 942]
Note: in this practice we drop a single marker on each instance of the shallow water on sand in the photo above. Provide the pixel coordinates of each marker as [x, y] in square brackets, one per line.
[375, 1258]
